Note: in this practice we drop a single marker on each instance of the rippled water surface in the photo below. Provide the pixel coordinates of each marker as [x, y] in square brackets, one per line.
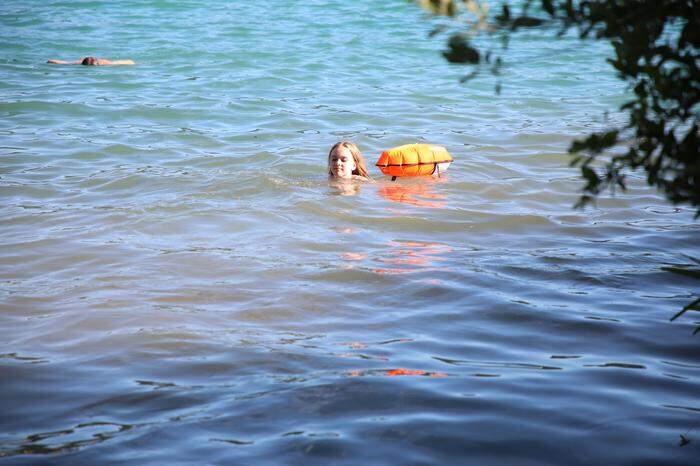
[180, 284]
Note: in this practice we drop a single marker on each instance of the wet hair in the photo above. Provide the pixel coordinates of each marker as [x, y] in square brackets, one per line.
[89, 61]
[360, 169]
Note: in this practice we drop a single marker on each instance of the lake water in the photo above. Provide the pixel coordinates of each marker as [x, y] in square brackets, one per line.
[181, 284]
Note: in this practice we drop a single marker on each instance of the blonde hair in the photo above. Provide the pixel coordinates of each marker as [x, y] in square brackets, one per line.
[360, 169]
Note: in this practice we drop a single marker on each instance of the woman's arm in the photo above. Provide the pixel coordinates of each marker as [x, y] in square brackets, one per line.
[63, 62]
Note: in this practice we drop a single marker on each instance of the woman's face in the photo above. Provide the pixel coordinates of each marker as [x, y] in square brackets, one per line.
[342, 163]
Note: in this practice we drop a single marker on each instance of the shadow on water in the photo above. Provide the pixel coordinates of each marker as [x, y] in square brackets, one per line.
[68, 440]
[692, 271]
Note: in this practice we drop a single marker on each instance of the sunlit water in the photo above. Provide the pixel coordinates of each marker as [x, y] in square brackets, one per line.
[182, 285]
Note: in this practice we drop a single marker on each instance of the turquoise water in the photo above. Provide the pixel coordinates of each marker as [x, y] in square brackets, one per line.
[182, 285]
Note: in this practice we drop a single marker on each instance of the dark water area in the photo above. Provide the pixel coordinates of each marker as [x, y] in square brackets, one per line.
[181, 284]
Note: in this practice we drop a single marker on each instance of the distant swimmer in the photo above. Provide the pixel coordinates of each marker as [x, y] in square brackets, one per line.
[92, 61]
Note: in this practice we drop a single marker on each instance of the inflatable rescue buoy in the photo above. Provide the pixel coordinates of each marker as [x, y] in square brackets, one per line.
[414, 160]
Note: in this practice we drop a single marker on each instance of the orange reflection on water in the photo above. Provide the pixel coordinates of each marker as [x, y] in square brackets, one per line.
[419, 194]
[396, 372]
[352, 256]
[412, 256]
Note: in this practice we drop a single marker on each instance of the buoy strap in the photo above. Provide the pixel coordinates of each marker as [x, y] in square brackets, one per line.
[411, 164]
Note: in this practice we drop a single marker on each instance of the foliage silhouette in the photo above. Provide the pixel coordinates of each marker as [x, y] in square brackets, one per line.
[656, 47]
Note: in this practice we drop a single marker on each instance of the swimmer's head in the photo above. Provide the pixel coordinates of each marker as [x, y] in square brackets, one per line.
[345, 160]
[89, 61]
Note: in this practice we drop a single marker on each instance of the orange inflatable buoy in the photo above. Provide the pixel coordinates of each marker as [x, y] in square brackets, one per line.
[414, 160]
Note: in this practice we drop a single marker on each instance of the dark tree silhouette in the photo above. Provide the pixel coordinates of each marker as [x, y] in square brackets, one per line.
[656, 44]
[656, 50]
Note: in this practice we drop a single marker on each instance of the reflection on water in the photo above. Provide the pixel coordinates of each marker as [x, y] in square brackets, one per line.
[340, 187]
[352, 256]
[418, 192]
[396, 372]
[402, 257]
[412, 256]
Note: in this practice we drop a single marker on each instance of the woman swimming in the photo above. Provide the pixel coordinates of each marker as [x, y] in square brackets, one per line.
[91, 61]
[345, 162]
